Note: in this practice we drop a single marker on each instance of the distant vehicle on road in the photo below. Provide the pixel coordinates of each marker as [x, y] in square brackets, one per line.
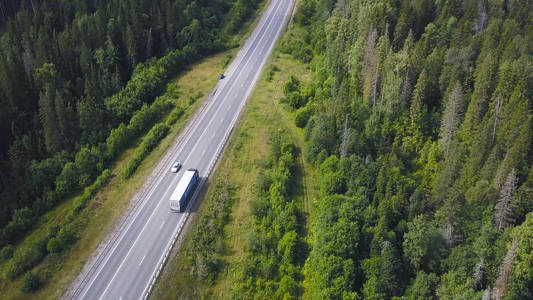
[221, 76]
[175, 167]
[184, 190]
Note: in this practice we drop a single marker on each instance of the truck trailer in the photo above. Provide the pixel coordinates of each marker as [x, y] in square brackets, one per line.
[184, 190]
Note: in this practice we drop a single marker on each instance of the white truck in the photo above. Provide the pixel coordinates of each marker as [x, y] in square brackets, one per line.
[184, 190]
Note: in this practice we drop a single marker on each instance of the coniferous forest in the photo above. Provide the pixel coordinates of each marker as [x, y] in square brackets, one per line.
[72, 75]
[419, 120]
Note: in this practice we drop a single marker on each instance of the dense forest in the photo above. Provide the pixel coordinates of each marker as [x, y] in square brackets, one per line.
[73, 74]
[419, 120]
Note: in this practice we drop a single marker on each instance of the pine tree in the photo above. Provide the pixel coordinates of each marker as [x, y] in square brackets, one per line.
[370, 67]
[500, 286]
[414, 141]
[482, 18]
[415, 111]
[479, 272]
[48, 117]
[389, 268]
[497, 116]
[131, 46]
[451, 118]
[27, 58]
[345, 137]
[503, 210]
[149, 44]
[486, 294]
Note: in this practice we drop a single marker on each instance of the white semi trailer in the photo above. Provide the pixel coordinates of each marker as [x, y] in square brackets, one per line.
[184, 190]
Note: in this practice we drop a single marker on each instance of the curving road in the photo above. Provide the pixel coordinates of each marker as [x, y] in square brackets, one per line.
[131, 262]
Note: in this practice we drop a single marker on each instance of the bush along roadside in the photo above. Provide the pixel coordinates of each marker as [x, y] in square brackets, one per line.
[276, 252]
[59, 238]
[203, 254]
[151, 140]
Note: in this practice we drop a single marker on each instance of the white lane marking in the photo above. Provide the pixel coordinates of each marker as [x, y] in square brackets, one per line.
[120, 298]
[142, 260]
[256, 75]
[231, 87]
[213, 136]
[134, 243]
[248, 92]
[123, 234]
[221, 120]
[162, 224]
[249, 43]
[203, 152]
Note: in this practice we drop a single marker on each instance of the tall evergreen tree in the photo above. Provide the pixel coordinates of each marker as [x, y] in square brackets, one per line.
[451, 119]
[503, 211]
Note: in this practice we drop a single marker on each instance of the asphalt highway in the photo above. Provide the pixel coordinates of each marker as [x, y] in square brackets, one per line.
[128, 268]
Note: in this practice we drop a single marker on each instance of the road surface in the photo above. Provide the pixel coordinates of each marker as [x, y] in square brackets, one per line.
[131, 261]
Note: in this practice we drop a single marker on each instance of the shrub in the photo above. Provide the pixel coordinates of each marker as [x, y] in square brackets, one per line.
[21, 221]
[271, 71]
[6, 252]
[26, 258]
[291, 85]
[193, 98]
[41, 175]
[302, 116]
[81, 172]
[304, 54]
[206, 246]
[90, 191]
[64, 239]
[151, 140]
[117, 140]
[30, 282]
[49, 199]
[148, 115]
[295, 100]
[148, 81]
[68, 179]
[275, 252]
[174, 115]
[226, 60]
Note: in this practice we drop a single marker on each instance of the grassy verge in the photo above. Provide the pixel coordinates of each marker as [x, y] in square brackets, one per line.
[243, 162]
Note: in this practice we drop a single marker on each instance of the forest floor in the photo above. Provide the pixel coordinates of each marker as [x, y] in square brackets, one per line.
[244, 160]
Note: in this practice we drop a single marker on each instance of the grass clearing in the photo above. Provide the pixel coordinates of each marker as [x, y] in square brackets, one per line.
[243, 161]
